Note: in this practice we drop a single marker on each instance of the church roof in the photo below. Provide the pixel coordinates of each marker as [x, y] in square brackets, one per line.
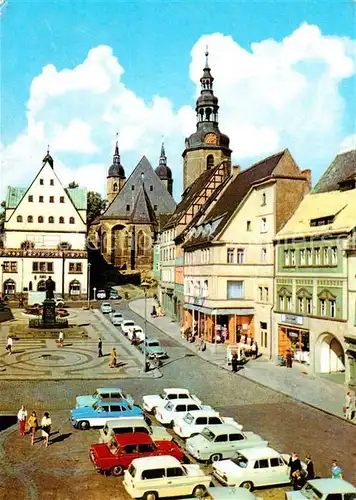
[342, 167]
[142, 210]
[78, 196]
[158, 195]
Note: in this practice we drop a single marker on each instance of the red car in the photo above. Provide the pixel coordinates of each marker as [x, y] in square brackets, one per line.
[117, 455]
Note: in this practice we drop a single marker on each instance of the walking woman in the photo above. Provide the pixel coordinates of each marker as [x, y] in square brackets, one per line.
[21, 418]
[113, 358]
[33, 424]
[46, 423]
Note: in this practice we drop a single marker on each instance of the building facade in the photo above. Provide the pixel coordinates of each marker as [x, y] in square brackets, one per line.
[44, 235]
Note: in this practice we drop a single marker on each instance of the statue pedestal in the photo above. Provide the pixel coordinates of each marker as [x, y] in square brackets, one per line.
[49, 312]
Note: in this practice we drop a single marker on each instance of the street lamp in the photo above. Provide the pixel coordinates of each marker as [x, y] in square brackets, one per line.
[88, 284]
[145, 285]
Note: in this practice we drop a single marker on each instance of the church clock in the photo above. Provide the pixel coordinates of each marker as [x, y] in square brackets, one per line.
[210, 138]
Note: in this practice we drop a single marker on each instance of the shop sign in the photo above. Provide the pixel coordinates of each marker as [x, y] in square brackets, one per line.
[291, 319]
[293, 334]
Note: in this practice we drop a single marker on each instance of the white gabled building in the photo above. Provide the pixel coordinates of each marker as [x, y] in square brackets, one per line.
[44, 235]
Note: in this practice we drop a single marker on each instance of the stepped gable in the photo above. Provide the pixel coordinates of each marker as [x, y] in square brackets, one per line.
[342, 167]
[142, 173]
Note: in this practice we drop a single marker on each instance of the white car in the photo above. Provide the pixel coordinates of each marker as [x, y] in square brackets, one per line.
[173, 409]
[220, 442]
[101, 294]
[126, 326]
[324, 489]
[116, 318]
[154, 401]
[129, 425]
[164, 476]
[254, 467]
[230, 493]
[106, 308]
[137, 330]
[194, 423]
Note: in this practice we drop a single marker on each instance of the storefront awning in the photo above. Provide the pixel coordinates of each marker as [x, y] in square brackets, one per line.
[219, 311]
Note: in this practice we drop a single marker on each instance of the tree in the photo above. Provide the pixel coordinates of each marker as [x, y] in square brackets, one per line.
[73, 185]
[2, 213]
[95, 206]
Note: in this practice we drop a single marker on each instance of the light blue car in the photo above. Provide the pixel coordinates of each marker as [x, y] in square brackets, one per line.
[103, 394]
[102, 412]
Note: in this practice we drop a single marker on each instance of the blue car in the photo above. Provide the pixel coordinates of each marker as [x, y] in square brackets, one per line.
[103, 394]
[102, 412]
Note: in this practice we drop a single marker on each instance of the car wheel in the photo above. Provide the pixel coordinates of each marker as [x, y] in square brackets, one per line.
[215, 458]
[199, 491]
[150, 495]
[247, 485]
[117, 470]
[84, 425]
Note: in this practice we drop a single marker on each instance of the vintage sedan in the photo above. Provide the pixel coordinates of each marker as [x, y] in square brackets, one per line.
[127, 325]
[220, 442]
[117, 455]
[154, 401]
[153, 349]
[102, 411]
[324, 489]
[175, 408]
[155, 477]
[254, 467]
[103, 393]
[106, 308]
[192, 424]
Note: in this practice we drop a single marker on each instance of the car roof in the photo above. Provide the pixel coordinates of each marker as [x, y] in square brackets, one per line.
[129, 321]
[126, 421]
[224, 429]
[117, 314]
[133, 438]
[111, 401]
[229, 492]
[331, 485]
[258, 452]
[109, 389]
[173, 390]
[156, 462]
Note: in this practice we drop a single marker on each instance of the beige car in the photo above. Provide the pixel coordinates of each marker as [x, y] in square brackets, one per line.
[134, 424]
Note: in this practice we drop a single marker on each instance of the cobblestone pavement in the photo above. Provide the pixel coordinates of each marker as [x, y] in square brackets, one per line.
[63, 471]
[43, 359]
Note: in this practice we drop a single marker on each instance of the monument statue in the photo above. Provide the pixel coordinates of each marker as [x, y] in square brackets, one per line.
[50, 287]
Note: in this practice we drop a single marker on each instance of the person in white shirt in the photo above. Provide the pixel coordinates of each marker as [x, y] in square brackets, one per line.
[46, 423]
[9, 345]
[21, 419]
[349, 406]
[61, 339]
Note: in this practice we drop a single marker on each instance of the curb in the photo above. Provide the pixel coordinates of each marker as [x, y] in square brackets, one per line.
[340, 417]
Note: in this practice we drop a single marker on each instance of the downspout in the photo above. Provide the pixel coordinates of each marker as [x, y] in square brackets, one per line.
[273, 303]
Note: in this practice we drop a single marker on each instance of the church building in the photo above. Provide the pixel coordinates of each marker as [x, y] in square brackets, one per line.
[126, 231]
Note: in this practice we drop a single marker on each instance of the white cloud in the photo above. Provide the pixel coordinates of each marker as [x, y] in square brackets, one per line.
[349, 142]
[273, 95]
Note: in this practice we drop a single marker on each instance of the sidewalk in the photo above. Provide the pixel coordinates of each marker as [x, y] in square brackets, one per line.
[312, 390]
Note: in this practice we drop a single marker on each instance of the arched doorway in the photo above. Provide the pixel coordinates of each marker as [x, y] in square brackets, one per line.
[74, 287]
[329, 354]
[41, 286]
[118, 244]
[9, 287]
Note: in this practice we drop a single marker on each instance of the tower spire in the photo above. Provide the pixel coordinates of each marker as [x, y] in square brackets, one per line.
[206, 56]
[207, 104]
[163, 157]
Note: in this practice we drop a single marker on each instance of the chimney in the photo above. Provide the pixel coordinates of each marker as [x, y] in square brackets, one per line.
[235, 170]
[307, 174]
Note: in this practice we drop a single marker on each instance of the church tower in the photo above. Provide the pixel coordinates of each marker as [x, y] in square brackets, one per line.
[207, 147]
[116, 176]
[164, 172]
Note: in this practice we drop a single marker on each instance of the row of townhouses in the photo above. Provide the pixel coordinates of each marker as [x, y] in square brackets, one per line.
[258, 253]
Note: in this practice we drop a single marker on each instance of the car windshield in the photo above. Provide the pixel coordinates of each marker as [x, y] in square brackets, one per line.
[310, 492]
[113, 447]
[188, 419]
[132, 470]
[163, 395]
[169, 406]
[96, 406]
[153, 344]
[207, 434]
[95, 395]
[129, 323]
[241, 461]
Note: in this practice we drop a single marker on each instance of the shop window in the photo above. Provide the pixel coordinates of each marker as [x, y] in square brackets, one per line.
[235, 289]
[19, 218]
[231, 256]
[334, 256]
[317, 256]
[240, 255]
[302, 257]
[74, 287]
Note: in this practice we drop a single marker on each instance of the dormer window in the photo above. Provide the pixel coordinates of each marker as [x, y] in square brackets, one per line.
[322, 221]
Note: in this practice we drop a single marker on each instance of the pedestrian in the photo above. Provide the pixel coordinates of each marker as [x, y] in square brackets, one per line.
[9, 344]
[61, 339]
[46, 423]
[100, 348]
[33, 424]
[113, 358]
[310, 467]
[289, 360]
[349, 406]
[336, 470]
[254, 349]
[154, 312]
[234, 362]
[21, 419]
[294, 464]
[298, 479]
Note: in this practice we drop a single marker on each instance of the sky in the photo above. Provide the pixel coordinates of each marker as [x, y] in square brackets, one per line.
[76, 73]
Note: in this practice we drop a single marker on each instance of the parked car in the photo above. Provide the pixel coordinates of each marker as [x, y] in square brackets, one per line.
[116, 318]
[134, 424]
[192, 424]
[175, 408]
[113, 295]
[137, 330]
[324, 489]
[230, 493]
[106, 308]
[101, 294]
[155, 477]
[126, 326]
[103, 394]
[118, 454]
[254, 467]
[220, 442]
[102, 411]
[59, 302]
[153, 349]
[153, 401]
